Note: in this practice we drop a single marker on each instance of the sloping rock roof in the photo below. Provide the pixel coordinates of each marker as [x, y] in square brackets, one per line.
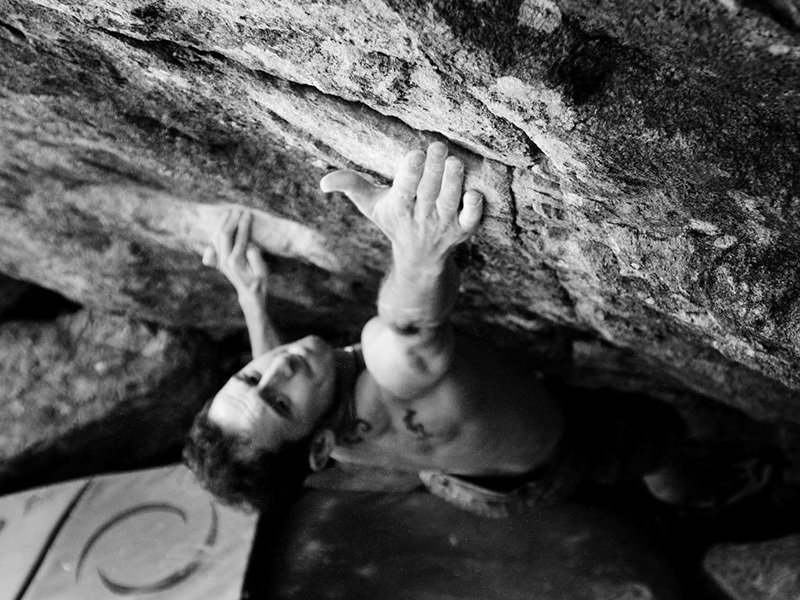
[639, 162]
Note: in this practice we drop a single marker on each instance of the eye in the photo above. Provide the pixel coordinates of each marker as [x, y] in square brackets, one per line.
[293, 363]
[250, 379]
[279, 402]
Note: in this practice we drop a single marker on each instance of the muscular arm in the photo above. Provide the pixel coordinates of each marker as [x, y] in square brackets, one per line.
[409, 346]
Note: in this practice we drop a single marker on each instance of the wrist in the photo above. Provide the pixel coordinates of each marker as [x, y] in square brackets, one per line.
[417, 266]
[253, 304]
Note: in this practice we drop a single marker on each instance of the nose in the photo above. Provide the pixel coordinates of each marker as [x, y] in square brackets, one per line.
[279, 371]
[314, 345]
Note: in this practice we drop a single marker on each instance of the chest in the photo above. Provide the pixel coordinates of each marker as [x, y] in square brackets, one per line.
[404, 433]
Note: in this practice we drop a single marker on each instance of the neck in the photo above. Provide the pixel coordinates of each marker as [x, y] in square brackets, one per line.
[347, 370]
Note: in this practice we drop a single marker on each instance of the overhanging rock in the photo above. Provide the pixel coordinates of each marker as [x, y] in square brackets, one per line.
[639, 163]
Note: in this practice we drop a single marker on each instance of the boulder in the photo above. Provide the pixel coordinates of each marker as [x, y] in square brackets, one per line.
[638, 160]
[90, 393]
[757, 571]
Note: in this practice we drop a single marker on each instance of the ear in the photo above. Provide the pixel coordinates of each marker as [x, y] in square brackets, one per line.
[321, 448]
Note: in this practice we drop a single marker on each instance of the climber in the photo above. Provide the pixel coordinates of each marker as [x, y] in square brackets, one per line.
[414, 395]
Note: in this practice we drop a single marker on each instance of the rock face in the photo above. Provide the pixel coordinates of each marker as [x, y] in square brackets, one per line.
[639, 162]
[89, 392]
[758, 571]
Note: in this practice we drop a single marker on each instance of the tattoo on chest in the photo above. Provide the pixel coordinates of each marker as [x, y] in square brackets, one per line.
[356, 432]
[418, 429]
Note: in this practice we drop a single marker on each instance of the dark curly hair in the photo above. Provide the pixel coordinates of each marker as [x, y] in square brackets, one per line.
[241, 475]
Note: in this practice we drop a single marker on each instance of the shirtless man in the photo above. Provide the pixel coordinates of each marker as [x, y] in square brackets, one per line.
[428, 400]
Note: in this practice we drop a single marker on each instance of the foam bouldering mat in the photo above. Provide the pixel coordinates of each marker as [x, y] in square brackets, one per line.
[28, 521]
[151, 534]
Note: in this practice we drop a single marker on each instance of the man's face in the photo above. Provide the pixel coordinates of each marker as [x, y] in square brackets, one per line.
[279, 396]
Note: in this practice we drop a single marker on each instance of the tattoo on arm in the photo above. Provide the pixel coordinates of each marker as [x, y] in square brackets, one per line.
[417, 429]
[355, 434]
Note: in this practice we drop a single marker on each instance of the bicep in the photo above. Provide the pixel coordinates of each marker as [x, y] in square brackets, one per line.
[406, 363]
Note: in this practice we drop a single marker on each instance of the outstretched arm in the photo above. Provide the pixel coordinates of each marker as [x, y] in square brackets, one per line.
[420, 215]
[241, 262]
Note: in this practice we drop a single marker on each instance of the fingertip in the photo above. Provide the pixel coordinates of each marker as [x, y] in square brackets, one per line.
[437, 149]
[473, 197]
[454, 164]
[472, 212]
[415, 158]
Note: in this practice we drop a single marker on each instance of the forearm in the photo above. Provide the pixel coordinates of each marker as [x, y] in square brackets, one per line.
[417, 296]
[260, 328]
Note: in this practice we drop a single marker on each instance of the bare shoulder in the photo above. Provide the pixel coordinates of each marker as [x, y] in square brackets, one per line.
[409, 365]
[406, 364]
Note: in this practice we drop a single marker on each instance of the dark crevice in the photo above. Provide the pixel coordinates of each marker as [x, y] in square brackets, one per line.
[785, 13]
[14, 31]
[39, 304]
[183, 55]
[534, 153]
[516, 229]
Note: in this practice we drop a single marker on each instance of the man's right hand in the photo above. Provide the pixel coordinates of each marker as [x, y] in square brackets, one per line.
[419, 213]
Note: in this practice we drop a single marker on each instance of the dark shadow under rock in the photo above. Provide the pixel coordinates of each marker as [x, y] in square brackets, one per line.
[758, 571]
[371, 545]
[10, 292]
[90, 393]
[33, 303]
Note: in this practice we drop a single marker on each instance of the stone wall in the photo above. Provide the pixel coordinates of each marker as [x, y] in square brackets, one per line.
[639, 162]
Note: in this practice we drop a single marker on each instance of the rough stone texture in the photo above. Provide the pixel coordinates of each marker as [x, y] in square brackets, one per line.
[335, 545]
[87, 393]
[757, 571]
[639, 162]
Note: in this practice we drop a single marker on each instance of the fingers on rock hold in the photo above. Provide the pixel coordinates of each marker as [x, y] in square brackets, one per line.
[431, 181]
[407, 180]
[450, 195]
[226, 234]
[243, 233]
[471, 214]
[256, 260]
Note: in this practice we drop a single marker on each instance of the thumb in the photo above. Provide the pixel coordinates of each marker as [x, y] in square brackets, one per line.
[363, 193]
